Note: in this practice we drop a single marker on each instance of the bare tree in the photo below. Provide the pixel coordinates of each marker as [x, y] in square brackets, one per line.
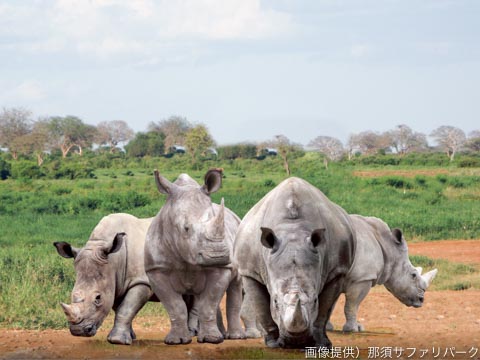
[404, 140]
[473, 142]
[450, 139]
[111, 133]
[36, 142]
[368, 142]
[330, 147]
[14, 124]
[174, 128]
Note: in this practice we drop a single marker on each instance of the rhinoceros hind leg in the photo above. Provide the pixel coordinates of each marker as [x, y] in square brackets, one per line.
[353, 297]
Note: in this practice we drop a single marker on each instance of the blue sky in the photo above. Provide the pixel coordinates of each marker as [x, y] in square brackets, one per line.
[248, 69]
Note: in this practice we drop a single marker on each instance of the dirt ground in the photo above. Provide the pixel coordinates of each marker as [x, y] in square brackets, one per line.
[446, 327]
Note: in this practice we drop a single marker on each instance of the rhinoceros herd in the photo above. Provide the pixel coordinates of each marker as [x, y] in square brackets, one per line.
[282, 267]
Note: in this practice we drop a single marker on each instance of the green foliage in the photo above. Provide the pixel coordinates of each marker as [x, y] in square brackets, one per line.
[151, 143]
[25, 169]
[4, 169]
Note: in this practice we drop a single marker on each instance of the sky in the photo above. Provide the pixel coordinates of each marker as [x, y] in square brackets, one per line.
[247, 69]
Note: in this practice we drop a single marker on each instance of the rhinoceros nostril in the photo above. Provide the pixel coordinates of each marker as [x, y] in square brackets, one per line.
[420, 298]
[89, 329]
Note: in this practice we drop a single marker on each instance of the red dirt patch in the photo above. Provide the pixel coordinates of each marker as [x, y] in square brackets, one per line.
[445, 327]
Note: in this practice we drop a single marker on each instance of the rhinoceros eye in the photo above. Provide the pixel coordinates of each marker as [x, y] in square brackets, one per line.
[186, 228]
[414, 275]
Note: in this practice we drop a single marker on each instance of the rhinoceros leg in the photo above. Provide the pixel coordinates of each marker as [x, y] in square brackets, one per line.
[134, 300]
[326, 302]
[175, 306]
[249, 318]
[330, 326]
[260, 299]
[208, 303]
[234, 304]
[353, 297]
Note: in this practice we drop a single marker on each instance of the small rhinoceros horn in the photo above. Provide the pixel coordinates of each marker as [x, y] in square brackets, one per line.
[429, 276]
[419, 269]
[71, 312]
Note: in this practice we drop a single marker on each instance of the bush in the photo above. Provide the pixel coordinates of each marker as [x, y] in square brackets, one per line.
[25, 169]
[4, 169]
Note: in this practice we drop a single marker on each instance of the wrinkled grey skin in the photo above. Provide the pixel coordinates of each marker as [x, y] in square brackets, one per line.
[294, 249]
[188, 251]
[381, 259]
[109, 274]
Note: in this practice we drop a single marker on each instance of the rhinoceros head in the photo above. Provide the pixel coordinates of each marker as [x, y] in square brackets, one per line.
[93, 294]
[294, 283]
[406, 282]
[195, 228]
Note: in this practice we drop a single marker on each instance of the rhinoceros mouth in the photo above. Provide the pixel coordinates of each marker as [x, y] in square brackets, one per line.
[85, 330]
[214, 254]
[290, 340]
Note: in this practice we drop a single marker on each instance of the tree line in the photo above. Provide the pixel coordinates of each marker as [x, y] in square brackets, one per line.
[22, 135]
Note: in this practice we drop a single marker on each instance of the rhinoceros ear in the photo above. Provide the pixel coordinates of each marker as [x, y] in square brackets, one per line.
[66, 250]
[116, 244]
[163, 185]
[398, 236]
[268, 239]
[213, 180]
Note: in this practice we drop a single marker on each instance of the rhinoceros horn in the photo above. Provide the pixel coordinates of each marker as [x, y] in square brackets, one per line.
[429, 276]
[419, 269]
[71, 312]
[216, 226]
[295, 322]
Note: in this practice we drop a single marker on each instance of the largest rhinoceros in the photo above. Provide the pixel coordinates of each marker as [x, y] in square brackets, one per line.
[188, 251]
[293, 250]
[381, 259]
[110, 274]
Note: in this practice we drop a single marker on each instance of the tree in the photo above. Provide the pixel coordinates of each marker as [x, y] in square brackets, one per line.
[473, 142]
[368, 142]
[111, 133]
[404, 140]
[14, 124]
[70, 131]
[197, 141]
[330, 147]
[150, 143]
[36, 142]
[450, 139]
[286, 149]
[174, 128]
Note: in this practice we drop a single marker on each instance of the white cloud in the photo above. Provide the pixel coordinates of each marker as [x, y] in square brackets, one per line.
[26, 91]
[139, 27]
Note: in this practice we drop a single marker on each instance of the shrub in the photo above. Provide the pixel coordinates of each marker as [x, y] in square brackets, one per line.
[25, 169]
[4, 169]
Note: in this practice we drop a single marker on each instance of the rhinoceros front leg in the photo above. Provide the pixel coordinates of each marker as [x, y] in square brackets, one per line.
[326, 302]
[175, 306]
[208, 304]
[249, 317]
[122, 332]
[353, 297]
[260, 299]
[234, 304]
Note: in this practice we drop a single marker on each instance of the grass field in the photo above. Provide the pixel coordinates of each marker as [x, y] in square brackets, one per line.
[428, 203]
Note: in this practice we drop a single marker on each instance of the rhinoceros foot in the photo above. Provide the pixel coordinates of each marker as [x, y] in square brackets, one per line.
[353, 327]
[121, 337]
[253, 333]
[235, 335]
[272, 341]
[176, 337]
[213, 337]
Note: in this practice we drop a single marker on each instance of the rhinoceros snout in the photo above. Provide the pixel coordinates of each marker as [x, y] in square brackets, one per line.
[87, 330]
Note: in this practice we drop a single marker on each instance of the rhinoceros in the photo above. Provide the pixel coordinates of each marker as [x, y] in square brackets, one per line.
[293, 250]
[109, 274]
[188, 251]
[381, 259]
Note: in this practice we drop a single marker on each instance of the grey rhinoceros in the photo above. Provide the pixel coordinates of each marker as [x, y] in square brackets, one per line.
[109, 274]
[381, 259]
[188, 251]
[293, 250]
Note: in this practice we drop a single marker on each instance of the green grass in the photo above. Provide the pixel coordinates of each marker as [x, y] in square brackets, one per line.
[35, 213]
